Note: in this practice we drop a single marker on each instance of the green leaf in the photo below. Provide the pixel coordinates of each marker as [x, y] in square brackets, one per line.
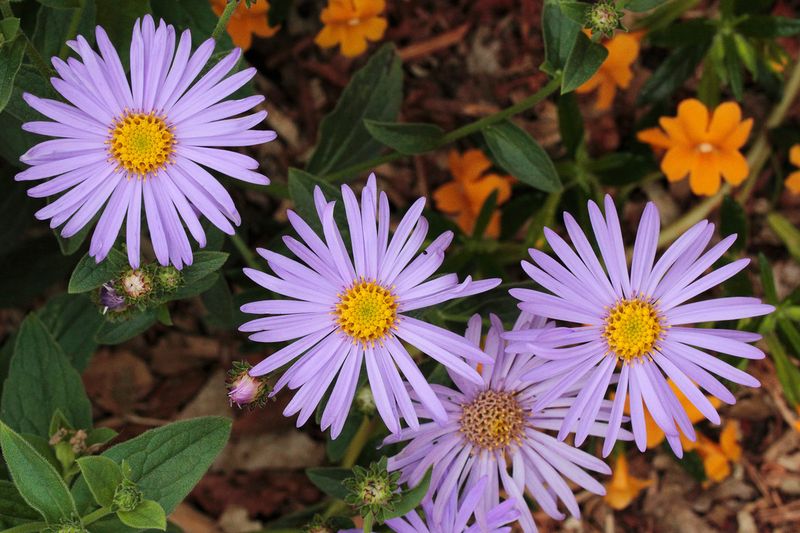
[787, 232]
[637, 6]
[218, 300]
[570, 122]
[767, 26]
[410, 499]
[41, 380]
[9, 28]
[11, 55]
[73, 320]
[673, 71]
[375, 92]
[583, 61]
[329, 480]
[337, 448]
[733, 66]
[14, 510]
[89, 274]
[767, 280]
[60, 4]
[99, 436]
[147, 515]
[102, 475]
[117, 19]
[72, 244]
[577, 11]
[36, 479]
[521, 156]
[560, 33]
[733, 220]
[664, 14]
[301, 189]
[200, 275]
[788, 374]
[409, 138]
[167, 462]
[119, 331]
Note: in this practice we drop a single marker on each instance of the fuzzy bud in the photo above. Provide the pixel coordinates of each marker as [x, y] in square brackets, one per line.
[169, 278]
[604, 18]
[244, 389]
[127, 496]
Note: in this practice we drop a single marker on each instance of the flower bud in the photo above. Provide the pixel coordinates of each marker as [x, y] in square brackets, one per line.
[604, 17]
[373, 491]
[127, 496]
[244, 389]
[365, 401]
[169, 278]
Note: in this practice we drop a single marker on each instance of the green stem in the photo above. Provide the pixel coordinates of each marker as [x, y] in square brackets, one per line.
[94, 516]
[72, 30]
[27, 528]
[757, 156]
[464, 131]
[247, 255]
[222, 23]
[359, 441]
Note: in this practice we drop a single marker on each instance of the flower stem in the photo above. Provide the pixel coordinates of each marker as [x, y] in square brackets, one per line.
[247, 255]
[464, 131]
[757, 156]
[222, 23]
[359, 441]
[94, 516]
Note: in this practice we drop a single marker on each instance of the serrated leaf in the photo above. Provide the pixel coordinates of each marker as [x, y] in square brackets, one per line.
[147, 515]
[583, 61]
[406, 138]
[521, 156]
[411, 498]
[41, 380]
[89, 274]
[375, 92]
[329, 480]
[36, 479]
[167, 462]
[102, 475]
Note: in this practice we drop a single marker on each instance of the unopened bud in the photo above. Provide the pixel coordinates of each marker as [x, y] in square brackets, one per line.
[604, 18]
[169, 278]
[244, 389]
[127, 496]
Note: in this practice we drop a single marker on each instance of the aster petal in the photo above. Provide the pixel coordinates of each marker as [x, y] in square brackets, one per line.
[616, 411]
[689, 389]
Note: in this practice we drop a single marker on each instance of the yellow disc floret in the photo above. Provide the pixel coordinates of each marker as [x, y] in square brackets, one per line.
[632, 328]
[366, 312]
[141, 143]
[493, 420]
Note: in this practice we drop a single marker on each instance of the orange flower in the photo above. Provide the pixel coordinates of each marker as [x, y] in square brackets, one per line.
[466, 194]
[246, 21]
[793, 181]
[623, 49]
[623, 487]
[717, 458]
[702, 148]
[350, 24]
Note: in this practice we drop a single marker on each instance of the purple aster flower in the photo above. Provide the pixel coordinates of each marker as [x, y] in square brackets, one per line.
[342, 312]
[492, 429]
[121, 143]
[636, 321]
[457, 515]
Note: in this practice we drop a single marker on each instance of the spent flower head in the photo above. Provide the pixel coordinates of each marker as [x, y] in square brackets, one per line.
[109, 299]
[136, 284]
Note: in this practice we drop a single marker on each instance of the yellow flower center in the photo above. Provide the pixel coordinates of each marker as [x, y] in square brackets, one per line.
[493, 420]
[366, 312]
[142, 143]
[705, 148]
[632, 328]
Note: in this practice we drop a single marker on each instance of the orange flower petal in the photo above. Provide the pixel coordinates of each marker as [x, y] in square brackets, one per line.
[704, 178]
[374, 28]
[623, 49]
[479, 190]
[733, 166]
[729, 441]
[466, 221]
[739, 136]
[678, 162]
[353, 43]
[693, 117]
[793, 184]
[450, 198]
[605, 95]
[623, 488]
[493, 228]
[794, 155]
[716, 466]
[468, 166]
[328, 36]
[654, 137]
[724, 121]
[591, 84]
[674, 130]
